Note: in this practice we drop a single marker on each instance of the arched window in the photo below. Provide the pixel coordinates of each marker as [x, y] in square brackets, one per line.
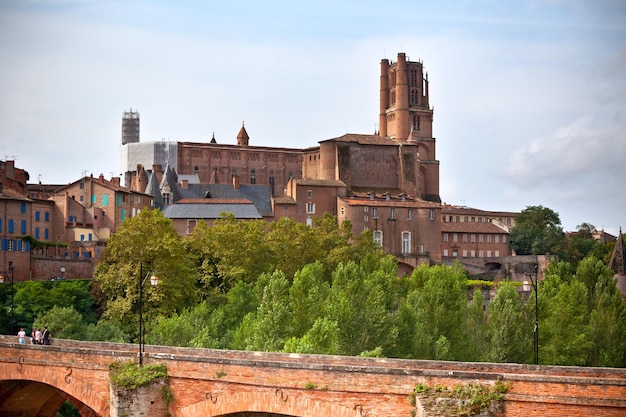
[252, 176]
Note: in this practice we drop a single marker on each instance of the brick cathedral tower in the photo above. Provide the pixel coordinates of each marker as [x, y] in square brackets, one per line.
[406, 115]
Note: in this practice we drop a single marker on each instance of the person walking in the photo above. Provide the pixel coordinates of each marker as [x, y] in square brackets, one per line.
[45, 336]
[22, 336]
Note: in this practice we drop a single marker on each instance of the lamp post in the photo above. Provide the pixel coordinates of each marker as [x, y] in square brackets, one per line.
[526, 287]
[2, 278]
[154, 280]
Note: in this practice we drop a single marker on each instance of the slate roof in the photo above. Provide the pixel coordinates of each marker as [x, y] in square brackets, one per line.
[257, 194]
[211, 211]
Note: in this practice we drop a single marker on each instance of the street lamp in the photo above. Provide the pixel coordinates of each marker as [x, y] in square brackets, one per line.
[2, 278]
[154, 280]
[526, 286]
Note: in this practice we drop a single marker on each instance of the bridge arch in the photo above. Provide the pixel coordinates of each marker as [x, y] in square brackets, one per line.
[279, 402]
[54, 385]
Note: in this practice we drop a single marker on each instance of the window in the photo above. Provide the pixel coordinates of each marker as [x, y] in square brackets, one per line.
[310, 208]
[252, 176]
[374, 212]
[473, 238]
[445, 252]
[191, 224]
[480, 238]
[46, 234]
[473, 219]
[455, 237]
[93, 199]
[286, 207]
[36, 233]
[82, 198]
[343, 211]
[445, 237]
[488, 238]
[410, 214]
[82, 238]
[11, 226]
[473, 253]
[465, 253]
[392, 214]
[504, 239]
[455, 253]
[105, 200]
[458, 219]
[422, 248]
[309, 221]
[497, 238]
[46, 216]
[166, 198]
[123, 214]
[22, 207]
[119, 200]
[378, 238]
[464, 237]
[406, 243]
[309, 193]
[488, 254]
[37, 216]
[432, 214]
[23, 228]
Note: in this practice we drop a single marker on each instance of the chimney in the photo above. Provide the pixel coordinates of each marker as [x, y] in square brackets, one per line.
[101, 178]
[235, 182]
[115, 181]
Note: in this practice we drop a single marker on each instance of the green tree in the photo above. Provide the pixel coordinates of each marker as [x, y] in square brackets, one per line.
[476, 327]
[307, 294]
[439, 299]
[537, 231]
[63, 323]
[270, 326]
[564, 326]
[144, 244]
[509, 333]
[580, 244]
[107, 331]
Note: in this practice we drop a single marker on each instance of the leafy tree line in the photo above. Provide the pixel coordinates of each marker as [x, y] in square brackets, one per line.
[288, 287]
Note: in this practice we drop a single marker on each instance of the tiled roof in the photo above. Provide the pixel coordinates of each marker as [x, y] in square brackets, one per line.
[284, 200]
[9, 194]
[364, 139]
[471, 227]
[468, 211]
[327, 183]
[409, 203]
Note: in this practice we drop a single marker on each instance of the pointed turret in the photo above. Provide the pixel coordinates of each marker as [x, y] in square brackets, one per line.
[242, 137]
[618, 263]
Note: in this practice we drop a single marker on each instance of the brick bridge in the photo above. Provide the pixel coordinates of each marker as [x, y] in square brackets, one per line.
[36, 380]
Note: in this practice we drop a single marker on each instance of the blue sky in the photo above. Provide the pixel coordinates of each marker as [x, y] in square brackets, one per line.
[529, 96]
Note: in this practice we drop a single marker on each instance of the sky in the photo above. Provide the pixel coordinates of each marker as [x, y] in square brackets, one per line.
[529, 97]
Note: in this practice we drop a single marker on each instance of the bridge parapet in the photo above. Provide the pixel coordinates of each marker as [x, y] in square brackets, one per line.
[217, 382]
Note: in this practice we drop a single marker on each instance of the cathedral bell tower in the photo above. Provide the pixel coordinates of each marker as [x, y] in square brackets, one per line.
[407, 118]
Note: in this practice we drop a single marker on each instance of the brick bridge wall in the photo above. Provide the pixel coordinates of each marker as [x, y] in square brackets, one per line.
[208, 382]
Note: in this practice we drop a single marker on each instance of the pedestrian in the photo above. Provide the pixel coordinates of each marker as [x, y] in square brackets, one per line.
[22, 336]
[32, 335]
[45, 336]
[37, 339]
